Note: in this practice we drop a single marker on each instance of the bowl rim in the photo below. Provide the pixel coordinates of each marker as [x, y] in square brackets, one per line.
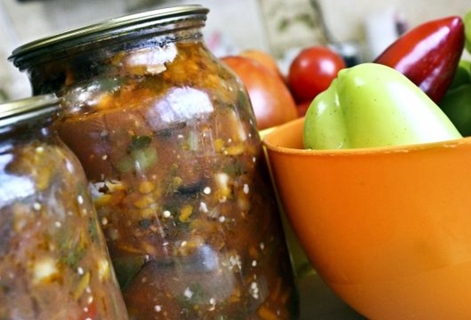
[267, 136]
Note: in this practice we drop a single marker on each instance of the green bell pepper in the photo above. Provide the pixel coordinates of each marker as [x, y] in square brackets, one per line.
[372, 105]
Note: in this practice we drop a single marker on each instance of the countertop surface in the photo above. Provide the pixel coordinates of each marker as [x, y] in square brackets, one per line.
[318, 302]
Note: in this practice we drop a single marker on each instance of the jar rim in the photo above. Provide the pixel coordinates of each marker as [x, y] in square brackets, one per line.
[106, 29]
[25, 109]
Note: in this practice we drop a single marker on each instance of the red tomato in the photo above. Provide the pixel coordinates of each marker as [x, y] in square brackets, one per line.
[302, 108]
[264, 58]
[271, 99]
[312, 71]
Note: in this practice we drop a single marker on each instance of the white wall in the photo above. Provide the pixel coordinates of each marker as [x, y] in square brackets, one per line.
[238, 24]
[235, 24]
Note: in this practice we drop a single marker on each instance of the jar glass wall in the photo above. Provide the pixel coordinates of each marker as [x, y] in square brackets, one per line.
[54, 263]
[168, 140]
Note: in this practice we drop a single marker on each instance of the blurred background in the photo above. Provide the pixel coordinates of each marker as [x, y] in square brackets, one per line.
[359, 28]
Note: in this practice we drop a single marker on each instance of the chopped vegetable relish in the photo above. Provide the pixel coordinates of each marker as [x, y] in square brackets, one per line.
[54, 263]
[168, 140]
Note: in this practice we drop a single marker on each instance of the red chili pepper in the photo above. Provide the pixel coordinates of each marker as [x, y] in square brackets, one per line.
[428, 54]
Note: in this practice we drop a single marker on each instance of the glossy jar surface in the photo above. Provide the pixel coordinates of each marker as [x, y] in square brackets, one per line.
[168, 140]
[54, 263]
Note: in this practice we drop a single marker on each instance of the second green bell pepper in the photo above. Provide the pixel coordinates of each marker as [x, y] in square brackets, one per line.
[462, 74]
[457, 106]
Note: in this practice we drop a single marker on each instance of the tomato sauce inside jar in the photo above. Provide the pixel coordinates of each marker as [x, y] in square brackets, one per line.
[168, 140]
[54, 263]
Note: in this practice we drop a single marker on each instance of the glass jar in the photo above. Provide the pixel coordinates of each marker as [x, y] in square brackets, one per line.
[54, 263]
[168, 140]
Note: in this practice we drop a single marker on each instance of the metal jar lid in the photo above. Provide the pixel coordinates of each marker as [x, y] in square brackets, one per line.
[18, 111]
[106, 30]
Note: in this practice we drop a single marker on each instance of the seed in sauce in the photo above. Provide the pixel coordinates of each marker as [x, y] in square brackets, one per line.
[207, 190]
[188, 293]
[254, 290]
[166, 214]
[246, 188]
[203, 207]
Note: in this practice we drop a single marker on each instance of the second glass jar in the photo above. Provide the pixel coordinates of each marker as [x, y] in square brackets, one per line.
[168, 140]
[54, 263]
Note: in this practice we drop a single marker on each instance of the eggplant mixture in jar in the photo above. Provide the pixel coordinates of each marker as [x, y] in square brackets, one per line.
[168, 140]
[54, 263]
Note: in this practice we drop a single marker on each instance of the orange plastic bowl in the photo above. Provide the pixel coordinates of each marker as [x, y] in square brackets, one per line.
[387, 229]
